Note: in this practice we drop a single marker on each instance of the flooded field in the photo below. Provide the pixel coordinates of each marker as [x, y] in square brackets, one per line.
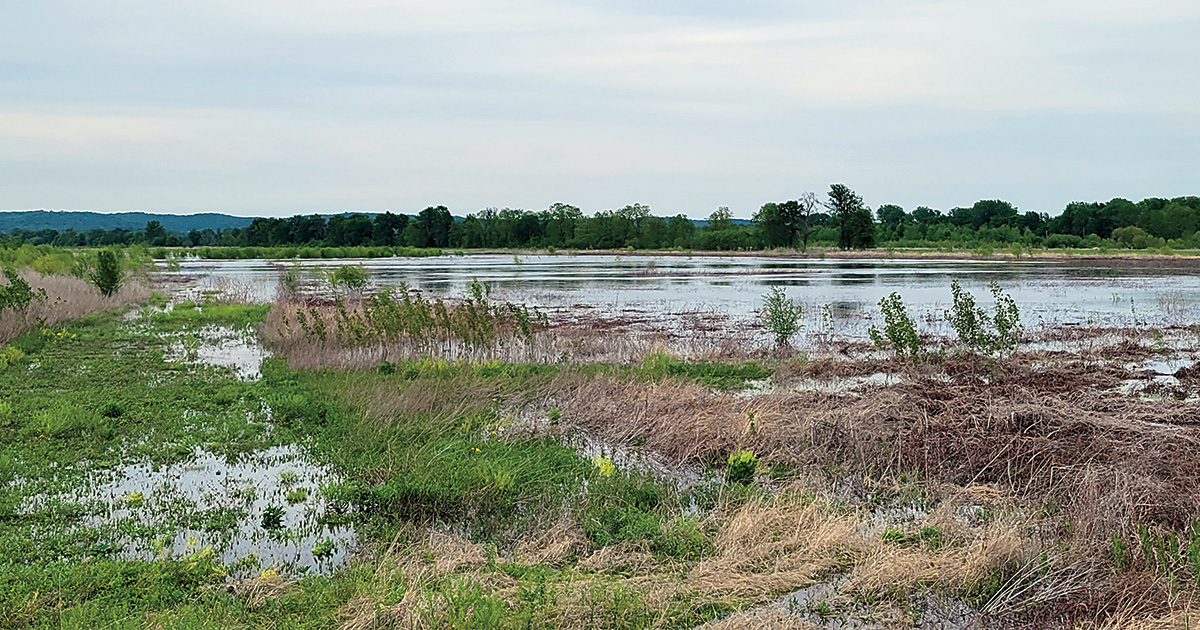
[841, 297]
[648, 456]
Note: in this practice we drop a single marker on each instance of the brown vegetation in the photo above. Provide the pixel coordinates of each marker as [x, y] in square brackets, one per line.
[67, 298]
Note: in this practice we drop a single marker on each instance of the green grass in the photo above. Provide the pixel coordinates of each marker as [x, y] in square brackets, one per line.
[77, 407]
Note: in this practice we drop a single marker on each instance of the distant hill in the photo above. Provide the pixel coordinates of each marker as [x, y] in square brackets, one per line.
[133, 221]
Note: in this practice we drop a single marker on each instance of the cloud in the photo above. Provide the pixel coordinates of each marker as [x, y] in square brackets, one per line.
[284, 106]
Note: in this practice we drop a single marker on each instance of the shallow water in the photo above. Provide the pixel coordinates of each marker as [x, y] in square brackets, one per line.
[222, 347]
[140, 494]
[842, 296]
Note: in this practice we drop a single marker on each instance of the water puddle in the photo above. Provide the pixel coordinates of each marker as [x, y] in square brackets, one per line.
[258, 511]
[221, 347]
[1163, 378]
[626, 458]
[642, 460]
[841, 385]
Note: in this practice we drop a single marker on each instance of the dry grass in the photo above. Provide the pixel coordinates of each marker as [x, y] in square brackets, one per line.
[257, 591]
[766, 549]
[555, 546]
[1111, 459]
[67, 299]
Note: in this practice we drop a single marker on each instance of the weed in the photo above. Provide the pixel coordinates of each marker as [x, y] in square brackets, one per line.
[741, 467]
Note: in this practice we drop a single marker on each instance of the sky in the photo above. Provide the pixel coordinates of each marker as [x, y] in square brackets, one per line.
[279, 107]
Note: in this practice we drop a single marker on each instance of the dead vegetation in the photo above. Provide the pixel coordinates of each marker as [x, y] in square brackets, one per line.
[67, 299]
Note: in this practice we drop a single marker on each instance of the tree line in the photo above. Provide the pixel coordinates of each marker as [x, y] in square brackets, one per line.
[838, 218]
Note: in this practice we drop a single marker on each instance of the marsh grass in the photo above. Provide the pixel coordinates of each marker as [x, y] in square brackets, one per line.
[67, 299]
[997, 482]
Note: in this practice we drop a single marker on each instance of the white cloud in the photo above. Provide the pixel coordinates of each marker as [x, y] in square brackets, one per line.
[299, 104]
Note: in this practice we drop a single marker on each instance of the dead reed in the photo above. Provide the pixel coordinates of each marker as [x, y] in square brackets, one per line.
[67, 298]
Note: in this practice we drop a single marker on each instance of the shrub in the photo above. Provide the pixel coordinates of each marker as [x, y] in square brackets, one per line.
[17, 295]
[898, 327]
[741, 468]
[107, 277]
[781, 316]
[350, 278]
[979, 331]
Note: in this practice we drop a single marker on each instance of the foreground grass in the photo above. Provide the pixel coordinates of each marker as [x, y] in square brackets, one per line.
[471, 511]
[86, 399]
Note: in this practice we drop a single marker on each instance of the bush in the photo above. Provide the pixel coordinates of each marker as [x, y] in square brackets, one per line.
[350, 278]
[107, 276]
[781, 316]
[17, 295]
[898, 327]
[979, 331]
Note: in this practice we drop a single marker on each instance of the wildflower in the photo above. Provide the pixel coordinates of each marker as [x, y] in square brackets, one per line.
[604, 465]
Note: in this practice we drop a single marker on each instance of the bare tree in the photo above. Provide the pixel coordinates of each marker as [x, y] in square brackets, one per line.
[808, 202]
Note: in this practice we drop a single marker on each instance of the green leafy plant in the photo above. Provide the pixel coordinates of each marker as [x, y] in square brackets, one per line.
[349, 278]
[979, 331]
[324, 549]
[898, 327]
[17, 294]
[107, 276]
[272, 517]
[781, 316]
[741, 467]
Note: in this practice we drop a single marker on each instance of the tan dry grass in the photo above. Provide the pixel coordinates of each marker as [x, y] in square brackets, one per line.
[257, 591]
[1109, 459]
[68, 299]
[888, 566]
[555, 546]
[768, 548]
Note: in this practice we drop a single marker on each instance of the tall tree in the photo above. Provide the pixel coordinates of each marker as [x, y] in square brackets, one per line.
[845, 204]
[435, 222]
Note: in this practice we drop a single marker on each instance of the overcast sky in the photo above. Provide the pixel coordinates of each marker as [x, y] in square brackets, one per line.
[277, 107]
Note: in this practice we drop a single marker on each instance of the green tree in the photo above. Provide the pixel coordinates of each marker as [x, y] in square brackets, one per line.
[107, 277]
[854, 221]
[156, 234]
[720, 219]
